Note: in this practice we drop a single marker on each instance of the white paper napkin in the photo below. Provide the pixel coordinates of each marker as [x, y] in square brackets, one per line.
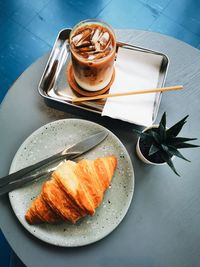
[133, 71]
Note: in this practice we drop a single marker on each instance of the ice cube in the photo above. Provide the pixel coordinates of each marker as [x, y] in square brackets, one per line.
[76, 38]
[95, 36]
[97, 46]
[82, 38]
[104, 40]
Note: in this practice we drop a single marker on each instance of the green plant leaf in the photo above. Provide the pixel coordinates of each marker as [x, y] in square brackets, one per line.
[146, 136]
[176, 128]
[178, 140]
[143, 135]
[173, 151]
[162, 128]
[153, 149]
[162, 133]
[186, 145]
[163, 120]
[168, 160]
[137, 131]
[156, 135]
[165, 148]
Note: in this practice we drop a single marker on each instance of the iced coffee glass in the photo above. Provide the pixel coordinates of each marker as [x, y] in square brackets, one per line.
[92, 45]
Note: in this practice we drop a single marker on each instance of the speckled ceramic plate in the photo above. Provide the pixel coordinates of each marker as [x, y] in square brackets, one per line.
[51, 139]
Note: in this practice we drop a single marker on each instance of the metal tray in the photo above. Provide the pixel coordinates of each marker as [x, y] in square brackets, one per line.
[56, 91]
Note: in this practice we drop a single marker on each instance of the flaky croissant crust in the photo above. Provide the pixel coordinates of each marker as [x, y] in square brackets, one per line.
[74, 191]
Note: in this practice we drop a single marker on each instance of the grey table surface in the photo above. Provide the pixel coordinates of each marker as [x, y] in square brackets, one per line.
[161, 227]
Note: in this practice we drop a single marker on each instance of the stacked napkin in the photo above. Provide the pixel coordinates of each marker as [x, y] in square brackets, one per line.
[134, 70]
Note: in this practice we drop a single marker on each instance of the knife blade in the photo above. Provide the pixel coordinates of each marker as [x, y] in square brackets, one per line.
[68, 153]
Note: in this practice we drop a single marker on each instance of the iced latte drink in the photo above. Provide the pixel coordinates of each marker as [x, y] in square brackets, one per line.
[93, 46]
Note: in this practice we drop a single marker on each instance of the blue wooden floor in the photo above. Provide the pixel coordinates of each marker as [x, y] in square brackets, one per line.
[28, 29]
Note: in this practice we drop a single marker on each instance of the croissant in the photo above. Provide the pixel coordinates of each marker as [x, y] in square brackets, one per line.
[74, 191]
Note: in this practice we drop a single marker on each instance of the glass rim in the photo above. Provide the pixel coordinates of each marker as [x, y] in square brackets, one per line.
[92, 21]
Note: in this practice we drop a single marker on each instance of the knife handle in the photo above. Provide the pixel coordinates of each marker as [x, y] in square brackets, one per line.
[24, 180]
[19, 174]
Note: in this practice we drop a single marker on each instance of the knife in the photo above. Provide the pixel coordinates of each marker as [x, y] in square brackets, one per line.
[19, 178]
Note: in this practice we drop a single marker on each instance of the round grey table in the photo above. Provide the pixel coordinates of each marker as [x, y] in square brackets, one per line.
[161, 227]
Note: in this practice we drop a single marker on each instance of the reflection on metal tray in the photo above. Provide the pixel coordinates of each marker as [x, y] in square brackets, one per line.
[54, 87]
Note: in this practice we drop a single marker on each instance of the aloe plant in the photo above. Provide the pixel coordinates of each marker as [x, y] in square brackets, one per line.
[160, 144]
